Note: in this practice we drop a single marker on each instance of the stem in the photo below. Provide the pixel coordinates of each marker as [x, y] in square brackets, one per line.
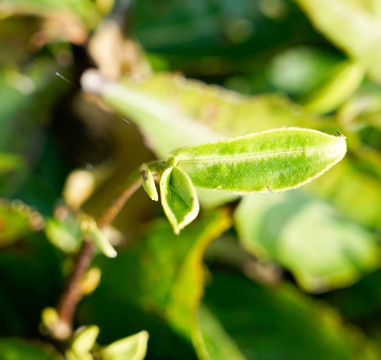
[72, 293]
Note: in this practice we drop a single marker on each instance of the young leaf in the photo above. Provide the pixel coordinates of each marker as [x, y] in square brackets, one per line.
[149, 182]
[84, 341]
[273, 160]
[91, 230]
[133, 347]
[178, 198]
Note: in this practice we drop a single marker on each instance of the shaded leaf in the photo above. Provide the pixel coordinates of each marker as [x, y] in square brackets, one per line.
[275, 324]
[159, 277]
[178, 198]
[16, 221]
[14, 348]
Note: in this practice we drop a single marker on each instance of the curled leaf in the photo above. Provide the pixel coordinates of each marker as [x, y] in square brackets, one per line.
[273, 160]
[148, 182]
[178, 198]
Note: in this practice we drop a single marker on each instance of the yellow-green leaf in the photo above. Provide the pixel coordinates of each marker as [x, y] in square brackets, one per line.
[178, 198]
[273, 160]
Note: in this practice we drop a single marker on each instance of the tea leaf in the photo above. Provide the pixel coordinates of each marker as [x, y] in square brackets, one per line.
[133, 347]
[344, 83]
[178, 198]
[351, 26]
[322, 248]
[149, 182]
[274, 160]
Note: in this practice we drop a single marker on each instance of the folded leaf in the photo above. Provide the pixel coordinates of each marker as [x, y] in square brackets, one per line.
[179, 198]
[149, 182]
[274, 160]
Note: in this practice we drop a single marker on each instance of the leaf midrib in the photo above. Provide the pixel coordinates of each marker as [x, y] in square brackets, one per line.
[254, 156]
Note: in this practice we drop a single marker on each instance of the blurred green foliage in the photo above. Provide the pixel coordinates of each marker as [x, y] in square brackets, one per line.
[255, 65]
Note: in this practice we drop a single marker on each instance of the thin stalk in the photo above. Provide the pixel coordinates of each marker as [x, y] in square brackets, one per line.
[72, 293]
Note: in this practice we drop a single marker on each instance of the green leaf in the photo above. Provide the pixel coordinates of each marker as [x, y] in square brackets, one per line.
[13, 169]
[342, 85]
[277, 322]
[84, 340]
[211, 339]
[91, 230]
[16, 221]
[64, 231]
[14, 349]
[352, 27]
[149, 182]
[273, 160]
[133, 347]
[172, 111]
[322, 248]
[178, 198]
[162, 281]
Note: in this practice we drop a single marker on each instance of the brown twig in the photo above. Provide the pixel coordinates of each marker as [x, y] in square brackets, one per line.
[73, 294]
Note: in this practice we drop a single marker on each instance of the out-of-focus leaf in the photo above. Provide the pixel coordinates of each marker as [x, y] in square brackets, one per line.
[16, 221]
[25, 103]
[279, 323]
[212, 341]
[12, 170]
[352, 27]
[84, 341]
[64, 232]
[178, 198]
[342, 85]
[301, 70]
[15, 349]
[322, 248]
[160, 274]
[273, 160]
[23, 268]
[133, 347]
[91, 231]
[172, 112]
[354, 187]
[85, 10]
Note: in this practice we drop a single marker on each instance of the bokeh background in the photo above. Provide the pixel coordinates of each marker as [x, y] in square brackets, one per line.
[91, 89]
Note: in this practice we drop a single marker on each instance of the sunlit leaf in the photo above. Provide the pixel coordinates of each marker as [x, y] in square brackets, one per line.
[322, 248]
[84, 340]
[91, 231]
[149, 183]
[273, 160]
[352, 27]
[342, 85]
[178, 198]
[133, 347]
